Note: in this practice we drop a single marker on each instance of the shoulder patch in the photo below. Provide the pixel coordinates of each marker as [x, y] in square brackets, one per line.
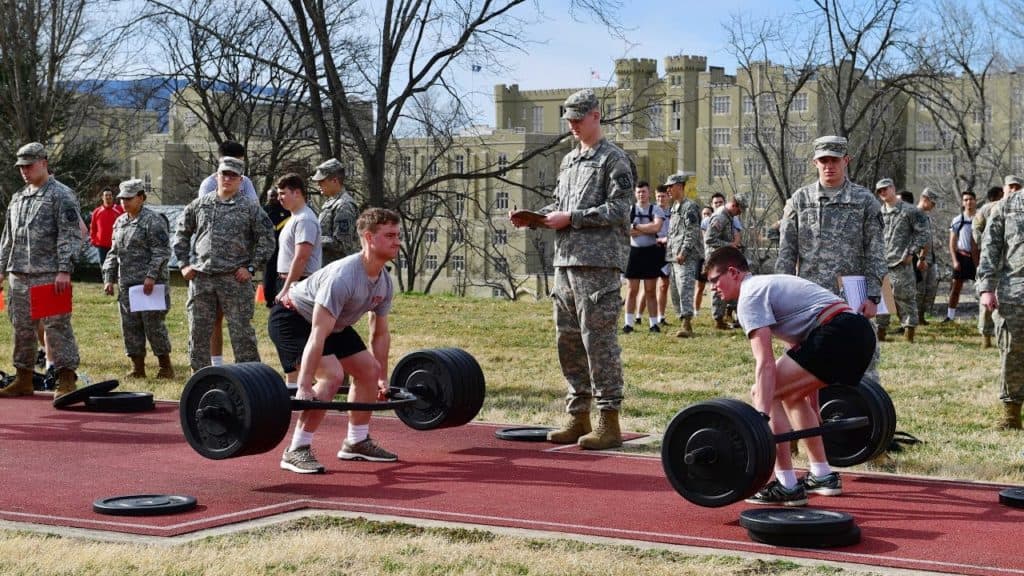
[624, 181]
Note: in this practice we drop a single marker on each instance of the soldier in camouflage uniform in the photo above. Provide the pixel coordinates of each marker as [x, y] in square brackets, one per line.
[41, 236]
[233, 236]
[905, 236]
[720, 233]
[928, 286]
[1011, 183]
[1001, 286]
[338, 214]
[590, 217]
[685, 248]
[138, 256]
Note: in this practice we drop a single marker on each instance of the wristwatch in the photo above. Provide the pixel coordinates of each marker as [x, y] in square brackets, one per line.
[874, 299]
[250, 269]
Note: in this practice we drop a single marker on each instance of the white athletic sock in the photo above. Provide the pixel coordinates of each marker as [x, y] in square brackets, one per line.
[217, 360]
[300, 438]
[292, 385]
[357, 433]
[950, 312]
[786, 477]
[661, 319]
[819, 469]
[630, 318]
[653, 321]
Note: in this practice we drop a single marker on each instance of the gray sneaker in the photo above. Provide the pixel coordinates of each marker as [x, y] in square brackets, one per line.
[828, 485]
[365, 450]
[301, 461]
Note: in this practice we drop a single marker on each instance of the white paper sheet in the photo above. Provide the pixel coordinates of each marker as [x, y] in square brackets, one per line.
[856, 291]
[141, 302]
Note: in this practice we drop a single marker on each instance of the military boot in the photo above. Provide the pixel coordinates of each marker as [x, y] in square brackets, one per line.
[687, 330]
[881, 334]
[138, 367]
[908, 334]
[988, 341]
[1011, 417]
[166, 369]
[577, 425]
[920, 319]
[607, 434]
[65, 383]
[21, 386]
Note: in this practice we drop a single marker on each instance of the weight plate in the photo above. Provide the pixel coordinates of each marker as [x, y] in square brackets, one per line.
[795, 521]
[144, 504]
[848, 538]
[449, 384]
[1013, 497]
[121, 402]
[730, 451]
[525, 434]
[867, 399]
[81, 394]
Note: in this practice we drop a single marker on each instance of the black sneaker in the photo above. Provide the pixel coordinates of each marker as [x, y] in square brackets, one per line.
[627, 329]
[654, 328]
[828, 485]
[41, 358]
[663, 322]
[774, 493]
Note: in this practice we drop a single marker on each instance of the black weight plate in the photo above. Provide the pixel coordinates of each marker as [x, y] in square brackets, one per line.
[449, 384]
[81, 394]
[525, 434]
[472, 386]
[848, 538]
[121, 402]
[736, 453]
[144, 504]
[1013, 497]
[795, 521]
[867, 399]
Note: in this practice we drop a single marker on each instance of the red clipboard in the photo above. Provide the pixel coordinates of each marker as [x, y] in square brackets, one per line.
[44, 301]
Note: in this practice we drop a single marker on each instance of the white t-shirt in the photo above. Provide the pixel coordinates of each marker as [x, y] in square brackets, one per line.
[302, 227]
[343, 289]
[961, 226]
[209, 184]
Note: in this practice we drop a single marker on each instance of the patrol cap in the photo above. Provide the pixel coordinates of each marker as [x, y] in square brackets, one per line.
[740, 201]
[328, 169]
[30, 154]
[577, 105]
[1013, 180]
[830, 146]
[677, 178]
[884, 183]
[229, 164]
[131, 188]
[930, 194]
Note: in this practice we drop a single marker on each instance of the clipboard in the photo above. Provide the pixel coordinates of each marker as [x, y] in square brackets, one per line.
[45, 302]
[532, 219]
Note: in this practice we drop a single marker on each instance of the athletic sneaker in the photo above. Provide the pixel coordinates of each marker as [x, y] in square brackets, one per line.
[775, 493]
[301, 461]
[654, 329]
[627, 329]
[828, 485]
[365, 450]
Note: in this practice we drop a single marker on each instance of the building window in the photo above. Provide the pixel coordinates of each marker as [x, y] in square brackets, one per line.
[720, 137]
[1017, 164]
[766, 102]
[943, 165]
[456, 235]
[538, 118]
[719, 167]
[407, 165]
[676, 116]
[720, 105]
[747, 137]
[460, 164]
[799, 102]
[500, 264]
[925, 165]
[430, 262]
[148, 181]
[500, 237]
[748, 105]
[654, 125]
[982, 115]
[800, 134]
[753, 167]
[460, 206]
[625, 120]
[1018, 132]
[430, 236]
[458, 263]
[501, 200]
[926, 133]
[502, 160]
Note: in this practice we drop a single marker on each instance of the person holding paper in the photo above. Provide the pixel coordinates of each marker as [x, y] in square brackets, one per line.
[138, 258]
[41, 236]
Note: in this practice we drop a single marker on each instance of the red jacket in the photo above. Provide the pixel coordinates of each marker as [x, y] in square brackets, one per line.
[101, 227]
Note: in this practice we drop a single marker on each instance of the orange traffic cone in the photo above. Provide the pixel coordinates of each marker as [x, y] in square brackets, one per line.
[261, 298]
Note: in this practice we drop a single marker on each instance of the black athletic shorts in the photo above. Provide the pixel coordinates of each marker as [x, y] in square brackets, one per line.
[699, 274]
[838, 352]
[290, 331]
[645, 262]
[967, 271]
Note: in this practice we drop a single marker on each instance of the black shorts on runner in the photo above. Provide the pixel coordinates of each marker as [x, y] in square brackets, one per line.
[967, 271]
[290, 331]
[645, 262]
[838, 352]
[699, 274]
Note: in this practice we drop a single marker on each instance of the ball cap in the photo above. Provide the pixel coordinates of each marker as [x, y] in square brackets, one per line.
[579, 104]
[830, 146]
[30, 154]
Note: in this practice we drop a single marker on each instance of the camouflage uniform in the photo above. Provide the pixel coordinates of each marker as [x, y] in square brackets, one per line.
[928, 286]
[905, 234]
[986, 326]
[229, 234]
[41, 236]
[140, 250]
[1001, 270]
[338, 222]
[596, 187]
[684, 240]
[719, 234]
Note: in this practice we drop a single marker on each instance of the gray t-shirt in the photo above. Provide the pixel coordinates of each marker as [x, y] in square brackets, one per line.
[343, 289]
[645, 216]
[789, 305]
[302, 227]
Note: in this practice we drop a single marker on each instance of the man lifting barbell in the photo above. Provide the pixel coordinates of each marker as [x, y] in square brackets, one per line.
[827, 344]
[314, 319]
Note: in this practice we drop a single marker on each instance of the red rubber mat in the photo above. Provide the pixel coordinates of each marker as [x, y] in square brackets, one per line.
[54, 464]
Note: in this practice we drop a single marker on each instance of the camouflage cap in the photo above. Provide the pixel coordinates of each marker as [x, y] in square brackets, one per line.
[577, 105]
[740, 201]
[884, 183]
[329, 168]
[830, 146]
[677, 178]
[930, 194]
[1013, 180]
[131, 188]
[229, 164]
[30, 154]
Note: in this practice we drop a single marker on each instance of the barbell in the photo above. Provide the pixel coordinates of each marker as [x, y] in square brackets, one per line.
[722, 451]
[244, 409]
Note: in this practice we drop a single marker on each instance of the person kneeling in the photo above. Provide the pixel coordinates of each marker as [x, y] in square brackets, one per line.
[827, 345]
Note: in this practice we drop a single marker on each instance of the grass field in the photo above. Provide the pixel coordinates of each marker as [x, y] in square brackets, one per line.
[945, 388]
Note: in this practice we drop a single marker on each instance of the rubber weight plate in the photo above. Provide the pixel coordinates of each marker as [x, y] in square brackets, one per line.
[1013, 497]
[144, 504]
[449, 384]
[795, 521]
[848, 538]
[83, 393]
[121, 402]
[525, 434]
[852, 447]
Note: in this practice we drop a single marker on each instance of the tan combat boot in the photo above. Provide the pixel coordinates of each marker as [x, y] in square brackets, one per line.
[908, 334]
[607, 434]
[1011, 417]
[21, 386]
[138, 367]
[166, 369]
[65, 383]
[577, 425]
[988, 341]
[881, 334]
[687, 330]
